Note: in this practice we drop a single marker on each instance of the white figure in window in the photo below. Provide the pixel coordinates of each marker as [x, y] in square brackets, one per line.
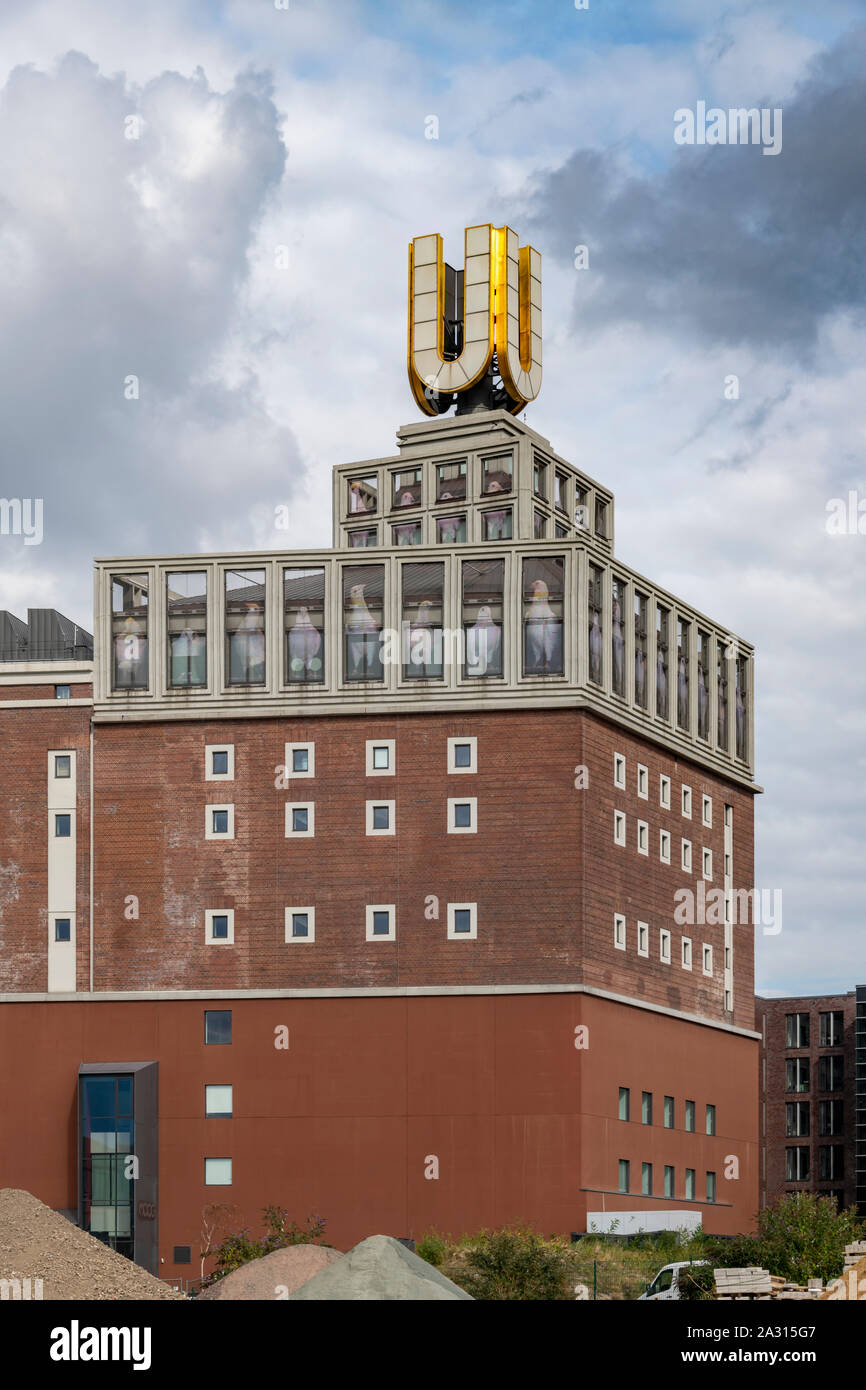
[421, 636]
[406, 500]
[360, 628]
[448, 529]
[496, 524]
[661, 686]
[543, 632]
[305, 643]
[703, 703]
[639, 673]
[723, 713]
[595, 649]
[357, 500]
[741, 721]
[682, 694]
[248, 646]
[484, 644]
[618, 649]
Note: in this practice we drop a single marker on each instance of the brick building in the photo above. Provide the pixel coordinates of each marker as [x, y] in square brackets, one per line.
[397, 881]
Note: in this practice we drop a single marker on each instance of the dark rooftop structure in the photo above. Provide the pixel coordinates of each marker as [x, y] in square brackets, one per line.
[45, 636]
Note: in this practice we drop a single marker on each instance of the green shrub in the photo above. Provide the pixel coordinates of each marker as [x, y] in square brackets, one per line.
[514, 1263]
[240, 1247]
[800, 1236]
[433, 1248]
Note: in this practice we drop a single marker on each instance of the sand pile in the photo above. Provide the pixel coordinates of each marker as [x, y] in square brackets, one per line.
[39, 1243]
[380, 1268]
[270, 1276]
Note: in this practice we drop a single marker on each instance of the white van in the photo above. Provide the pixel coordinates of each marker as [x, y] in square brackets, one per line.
[667, 1282]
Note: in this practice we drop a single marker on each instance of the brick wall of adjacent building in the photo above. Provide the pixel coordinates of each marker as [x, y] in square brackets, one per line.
[42, 692]
[770, 1021]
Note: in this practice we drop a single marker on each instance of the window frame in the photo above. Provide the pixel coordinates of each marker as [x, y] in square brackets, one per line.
[209, 915]
[370, 910]
[371, 806]
[452, 827]
[289, 937]
[452, 933]
[310, 832]
[209, 774]
[472, 741]
[371, 745]
[210, 808]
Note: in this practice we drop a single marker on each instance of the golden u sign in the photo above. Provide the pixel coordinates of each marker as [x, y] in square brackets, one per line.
[466, 326]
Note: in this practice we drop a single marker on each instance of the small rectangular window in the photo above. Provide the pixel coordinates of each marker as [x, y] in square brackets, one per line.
[619, 932]
[687, 856]
[596, 624]
[363, 619]
[363, 537]
[690, 1184]
[451, 530]
[406, 490]
[182, 1254]
[380, 818]
[560, 491]
[665, 792]
[300, 819]
[462, 815]
[300, 924]
[669, 1180]
[624, 1110]
[186, 622]
[642, 837]
[618, 590]
[62, 764]
[300, 761]
[831, 1028]
[218, 1172]
[539, 479]
[690, 1117]
[797, 1030]
[687, 953]
[62, 692]
[363, 495]
[683, 640]
[220, 927]
[797, 1166]
[217, 1027]
[408, 533]
[245, 626]
[618, 770]
[662, 701]
[600, 517]
[380, 757]
[219, 822]
[62, 826]
[539, 526]
[619, 827]
[707, 863]
[646, 1179]
[707, 811]
[421, 634]
[665, 846]
[463, 755]
[643, 939]
[669, 1112]
[646, 1107]
[218, 1102]
[62, 929]
[497, 525]
[219, 764]
[711, 1187]
[624, 1174]
[496, 474]
[543, 598]
[462, 921]
[711, 1119]
[664, 946]
[708, 960]
[381, 922]
[642, 782]
[451, 481]
[687, 802]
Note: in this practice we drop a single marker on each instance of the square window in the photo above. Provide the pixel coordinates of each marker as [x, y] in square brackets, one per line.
[62, 764]
[665, 792]
[619, 932]
[619, 827]
[300, 820]
[182, 1254]
[381, 922]
[708, 960]
[665, 946]
[220, 822]
[218, 1172]
[220, 926]
[642, 782]
[462, 815]
[62, 692]
[462, 921]
[707, 863]
[687, 953]
[62, 826]
[665, 846]
[219, 762]
[618, 770]
[62, 929]
[300, 760]
[643, 939]
[496, 474]
[217, 1027]
[462, 755]
[300, 924]
[707, 810]
[218, 1102]
[381, 818]
[642, 837]
[687, 802]
[380, 757]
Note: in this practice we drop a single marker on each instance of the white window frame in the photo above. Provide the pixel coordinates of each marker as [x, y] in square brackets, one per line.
[209, 832]
[707, 960]
[642, 837]
[307, 834]
[643, 936]
[707, 864]
[707, 811]
[453, 769]
[213, 1182]
[664, 946]
[472, 934]
[686, 948]
[219, 1114]
[391, 745]
[619, 770]
[664, 791]
[209, 774]
[665, 846]
[686, 799]
[619, 827]
[643, 782]
[391, 909]
[619, 931]
[392, 817]
[209, 915]
[472, 827]
[310, 748]
[311, 926]
[686, 856]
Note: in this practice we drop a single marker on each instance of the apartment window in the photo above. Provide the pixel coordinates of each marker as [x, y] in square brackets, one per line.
[669, 1180]
[600, 517]
[669, 1112]
[423, 590]
[218, 1102]
[496, 525]
[559, 531]
[624, 1175]
[729, 1001]
[664, 946]
[830, 1025]
[796, 1030]
[219, 927]
[687, 802]
[797, 1074]
[646, 1107]
[451, 481]
[462, 921]
[62, 826]
[642, 837]
[539, 526]
[642, 782]
[381, 756]
[690, 1116]
[380, 818]
[539, 479]
[703, 685]
[687, 856]
[797, 1167]
[683, 673]
[245, 626]
[462, 815]
[797, 1119]
[483, 582]
[300, 760]
[708, 960]
[62, 692]
[665, 846]
[707, 811]
[219, 762]
[711, 1119]
[304, 619]
[219, 823]
[363, 614]
[62, 928]
[624, 1111]
[128, 632]
[642, 939]
[217, 1172]
[665, 792]
[462, 755]
[690, 1184]
[619, 827]
[300, 819]
[686, 953]
[662, 626]
[581, 508]
[362, 537]
[617, 638]
[646, 1179]
[496, 474]
[619, 932]
[300, 924]
[543, 593]
[742, 705]
[217, 1027]
[381, 922]
[596, 634]
[722, 693]
[186, 624]
[63, 768]
[830, 1073]
[711, 1187]
[830, 1117]
[707, 863]
[560, 491]
[406, 488]
[408, 533]
[363, 494]
[451, 530]
[618, 770]
[640, 650]
[831, 1162]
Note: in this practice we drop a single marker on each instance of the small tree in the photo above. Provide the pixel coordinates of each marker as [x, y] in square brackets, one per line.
[516, 1263]
[240, 1247]
[800, 1236]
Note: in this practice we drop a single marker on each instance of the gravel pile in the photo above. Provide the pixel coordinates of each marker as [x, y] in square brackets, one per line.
[380, 1268]
[39, 1243]
[270, 1276]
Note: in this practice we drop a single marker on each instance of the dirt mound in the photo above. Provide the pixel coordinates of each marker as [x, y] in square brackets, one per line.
[38, 1243]
[380, 1268]
[270, 1276]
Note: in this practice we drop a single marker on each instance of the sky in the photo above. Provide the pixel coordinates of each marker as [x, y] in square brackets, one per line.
[215, 199]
